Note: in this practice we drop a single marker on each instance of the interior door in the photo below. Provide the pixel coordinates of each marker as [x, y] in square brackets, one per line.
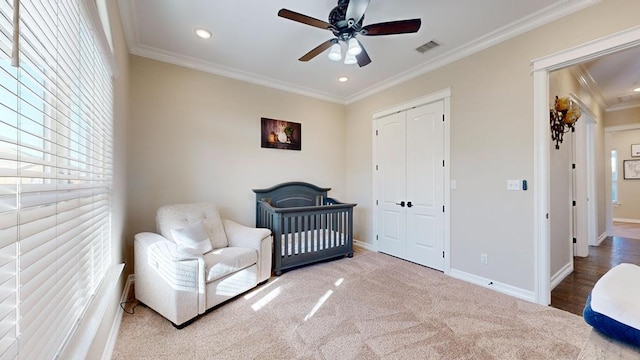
[410, 178]
[425, 185]
[391, 172]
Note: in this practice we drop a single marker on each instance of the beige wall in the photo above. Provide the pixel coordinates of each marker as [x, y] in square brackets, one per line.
[491, 141]
[195, 136]
[628, 190]
[623, 117]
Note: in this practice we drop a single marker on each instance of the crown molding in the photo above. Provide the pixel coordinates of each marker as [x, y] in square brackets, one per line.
[128, 19]
[625, 127]
[623, 107]
[586, 81]
[537, 19]
[542, 17]
[197, 64]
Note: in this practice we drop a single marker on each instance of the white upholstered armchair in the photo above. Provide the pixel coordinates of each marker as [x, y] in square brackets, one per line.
[197, 261]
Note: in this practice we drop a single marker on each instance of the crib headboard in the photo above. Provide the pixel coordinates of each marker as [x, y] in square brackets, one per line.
[292, 194]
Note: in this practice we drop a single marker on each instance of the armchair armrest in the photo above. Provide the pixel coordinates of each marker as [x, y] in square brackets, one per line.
[244, 236]
[161, 269]
[255, 238]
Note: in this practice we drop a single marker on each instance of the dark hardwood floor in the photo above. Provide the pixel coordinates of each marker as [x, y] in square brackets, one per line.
[571, 294]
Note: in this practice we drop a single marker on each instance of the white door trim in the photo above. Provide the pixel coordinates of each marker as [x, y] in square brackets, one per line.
[541, 67]
[444, 95]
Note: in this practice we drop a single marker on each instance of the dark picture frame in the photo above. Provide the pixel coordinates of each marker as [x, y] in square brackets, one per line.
[280, 134]
[631, 169]
[635, 150]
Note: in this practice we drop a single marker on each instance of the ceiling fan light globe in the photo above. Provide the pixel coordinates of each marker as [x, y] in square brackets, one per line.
[354, 47]
[350, 59]
[335, 53]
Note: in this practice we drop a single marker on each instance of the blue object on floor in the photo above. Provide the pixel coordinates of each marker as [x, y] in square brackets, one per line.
[613, 306]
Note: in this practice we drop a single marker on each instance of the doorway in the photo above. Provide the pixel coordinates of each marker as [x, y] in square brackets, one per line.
[541, 68]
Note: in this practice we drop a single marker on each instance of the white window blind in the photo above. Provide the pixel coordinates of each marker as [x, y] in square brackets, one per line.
[55, 175]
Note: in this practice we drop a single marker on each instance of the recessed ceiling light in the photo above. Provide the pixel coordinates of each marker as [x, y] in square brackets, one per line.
[637, 89]
[343, 78]
[205, 34]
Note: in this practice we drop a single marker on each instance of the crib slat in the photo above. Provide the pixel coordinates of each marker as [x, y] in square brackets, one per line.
[340, 217]
[332, 230]
[285, 238]
[299, 235]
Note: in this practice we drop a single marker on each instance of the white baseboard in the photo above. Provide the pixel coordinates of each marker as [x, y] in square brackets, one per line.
[497, 286]
[631, 221]
[601, 238]
[364, 245]
[115, 328]
[561, 274]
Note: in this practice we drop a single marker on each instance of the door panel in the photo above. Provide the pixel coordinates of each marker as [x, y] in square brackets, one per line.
[391, 184]
[425, 185]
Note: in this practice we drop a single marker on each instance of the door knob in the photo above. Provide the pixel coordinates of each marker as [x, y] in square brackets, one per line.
[409, 204]
[401, 203]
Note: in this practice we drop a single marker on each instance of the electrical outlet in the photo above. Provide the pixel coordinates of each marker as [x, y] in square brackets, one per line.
[513, 185]
[484, 259]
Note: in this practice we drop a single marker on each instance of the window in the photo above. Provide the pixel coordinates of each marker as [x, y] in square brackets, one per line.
[55, 175]
[614, 176]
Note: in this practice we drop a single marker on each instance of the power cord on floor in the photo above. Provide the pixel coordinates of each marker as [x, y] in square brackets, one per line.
[130, 300]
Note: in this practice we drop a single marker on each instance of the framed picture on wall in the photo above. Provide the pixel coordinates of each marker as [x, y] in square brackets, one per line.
[280, 134]
[631, 169]
[635, 150]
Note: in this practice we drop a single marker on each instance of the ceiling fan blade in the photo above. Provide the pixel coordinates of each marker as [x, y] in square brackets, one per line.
[308, 20]
[317, 50]
[356, 9]
[363, 57]
[392, 27]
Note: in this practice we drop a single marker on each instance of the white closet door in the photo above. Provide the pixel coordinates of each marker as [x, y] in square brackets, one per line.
[410, 177]
[392, 189]
[425, 185]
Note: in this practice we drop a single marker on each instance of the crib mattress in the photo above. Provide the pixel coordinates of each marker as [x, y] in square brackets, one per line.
[310, 241]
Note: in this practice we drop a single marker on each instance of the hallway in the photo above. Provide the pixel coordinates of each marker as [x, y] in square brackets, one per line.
[624, 247]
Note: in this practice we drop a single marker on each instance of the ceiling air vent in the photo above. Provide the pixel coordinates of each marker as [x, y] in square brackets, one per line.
[427, 46]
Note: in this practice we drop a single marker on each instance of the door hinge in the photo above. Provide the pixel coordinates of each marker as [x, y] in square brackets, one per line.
[573, 166]
[574, 203]
[442, 163]
[575, 240]
[443, 117]
[376, 167]
[376, 202]
[443, 254]
[376, 132]
[442, 208]
[376, 237]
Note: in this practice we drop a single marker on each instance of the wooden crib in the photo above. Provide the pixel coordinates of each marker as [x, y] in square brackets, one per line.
[307, 225]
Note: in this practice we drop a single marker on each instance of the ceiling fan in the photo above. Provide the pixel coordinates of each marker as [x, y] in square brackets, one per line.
[345, 22]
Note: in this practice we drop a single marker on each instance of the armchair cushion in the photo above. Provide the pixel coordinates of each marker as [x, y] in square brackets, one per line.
[181, 215]
[192, 239]
[225, 261]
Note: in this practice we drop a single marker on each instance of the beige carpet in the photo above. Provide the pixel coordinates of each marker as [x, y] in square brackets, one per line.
[372, 306]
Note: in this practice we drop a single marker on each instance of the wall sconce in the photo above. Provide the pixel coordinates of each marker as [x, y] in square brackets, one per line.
[562, 118]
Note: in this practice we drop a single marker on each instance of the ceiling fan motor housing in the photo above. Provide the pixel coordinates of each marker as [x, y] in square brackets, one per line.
[337, 17]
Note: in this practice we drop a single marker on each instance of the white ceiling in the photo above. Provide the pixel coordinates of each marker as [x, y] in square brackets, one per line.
[250, 42]
[615, 76]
